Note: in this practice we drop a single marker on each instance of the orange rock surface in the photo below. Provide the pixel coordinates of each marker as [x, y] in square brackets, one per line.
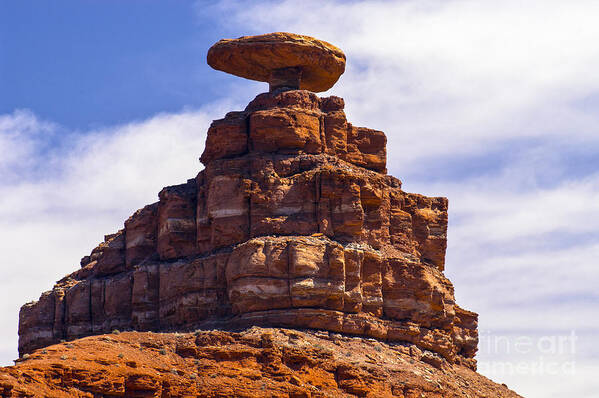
[255, 362]
[280, 58]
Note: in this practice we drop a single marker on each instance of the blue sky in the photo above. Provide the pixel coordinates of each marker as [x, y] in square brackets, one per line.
[95, 63]
[492, 104]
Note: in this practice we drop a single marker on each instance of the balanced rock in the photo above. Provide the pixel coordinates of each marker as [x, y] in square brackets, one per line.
[281, 59]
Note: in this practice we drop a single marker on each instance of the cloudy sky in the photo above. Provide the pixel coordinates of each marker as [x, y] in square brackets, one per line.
[492, 104]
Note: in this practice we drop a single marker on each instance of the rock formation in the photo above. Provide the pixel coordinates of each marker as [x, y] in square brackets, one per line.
[292, 223]
[281, 59]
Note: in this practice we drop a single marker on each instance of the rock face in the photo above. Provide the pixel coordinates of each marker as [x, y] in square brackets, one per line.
[292, 223]
[281, 59]
[255, 362]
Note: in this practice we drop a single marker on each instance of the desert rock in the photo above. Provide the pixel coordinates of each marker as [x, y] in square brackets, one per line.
[255, 362]
[281, 59]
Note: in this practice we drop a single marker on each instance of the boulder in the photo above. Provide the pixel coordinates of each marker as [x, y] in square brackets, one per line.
[281, 59]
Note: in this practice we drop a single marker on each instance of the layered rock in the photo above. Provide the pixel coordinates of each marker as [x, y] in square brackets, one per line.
[292, 223]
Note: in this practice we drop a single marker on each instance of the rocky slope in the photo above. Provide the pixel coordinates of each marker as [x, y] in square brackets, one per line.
[255, 362]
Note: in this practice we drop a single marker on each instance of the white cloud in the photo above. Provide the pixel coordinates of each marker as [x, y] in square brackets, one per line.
[572, 207]
[20, 134]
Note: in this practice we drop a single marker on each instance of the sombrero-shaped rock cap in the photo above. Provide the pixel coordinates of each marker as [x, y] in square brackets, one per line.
[281, 59]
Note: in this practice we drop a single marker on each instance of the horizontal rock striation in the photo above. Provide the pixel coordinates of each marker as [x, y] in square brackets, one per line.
[292, 223]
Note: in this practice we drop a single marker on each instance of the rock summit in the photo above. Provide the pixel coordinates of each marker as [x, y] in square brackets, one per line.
[281, 59]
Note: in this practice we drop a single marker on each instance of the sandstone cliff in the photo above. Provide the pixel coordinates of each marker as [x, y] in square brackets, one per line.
[292, 223]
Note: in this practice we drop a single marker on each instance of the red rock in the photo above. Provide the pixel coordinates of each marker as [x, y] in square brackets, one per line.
[78, 317]
[294, 122]
[281, 59]
[177, 221]
[141, 232]
[110, 255]
[145, 297]
[335, 131]
[366, 148]
[114, 311]
[278, 130]
[226, 138]
[254, 362]
[224, 214]
[36, 322]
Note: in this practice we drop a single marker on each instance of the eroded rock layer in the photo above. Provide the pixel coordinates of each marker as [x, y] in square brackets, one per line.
[292, 223]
